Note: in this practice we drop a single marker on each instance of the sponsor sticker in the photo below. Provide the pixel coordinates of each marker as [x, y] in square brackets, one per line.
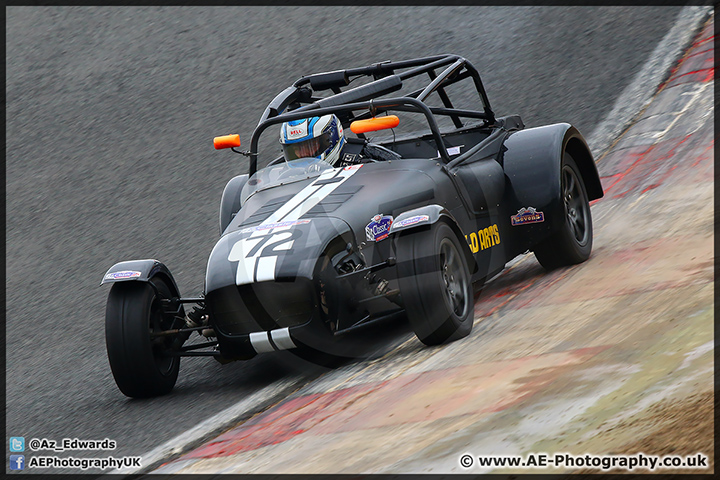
[452, 150]
[349, 157]
[378, 228]
[527, 215]
[352, 167]
[297, 131]
[123, 274]
[270, 226]
[412, 221]
[484, 238]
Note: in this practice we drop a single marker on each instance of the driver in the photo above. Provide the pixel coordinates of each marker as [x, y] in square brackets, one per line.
[323, 138]
[319, 137]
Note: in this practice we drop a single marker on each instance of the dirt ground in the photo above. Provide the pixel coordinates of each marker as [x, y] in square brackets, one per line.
[672, 428]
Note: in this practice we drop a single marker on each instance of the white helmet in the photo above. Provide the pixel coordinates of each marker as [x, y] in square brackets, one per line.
[319, 137]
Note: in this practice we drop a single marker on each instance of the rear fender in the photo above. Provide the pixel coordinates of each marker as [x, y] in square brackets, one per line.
[532, 162]
[140, 271]
[429, 215]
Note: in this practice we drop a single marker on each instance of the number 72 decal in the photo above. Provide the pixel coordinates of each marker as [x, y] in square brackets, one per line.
[257, 255]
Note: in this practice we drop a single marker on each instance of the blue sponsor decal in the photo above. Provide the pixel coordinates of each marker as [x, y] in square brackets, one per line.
[123, 274]
[527, 215]
[378, 228]
[412, 221]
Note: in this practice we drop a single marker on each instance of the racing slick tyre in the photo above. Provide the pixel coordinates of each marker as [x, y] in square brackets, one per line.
[434, 281]
[140, 363]
[572, 243]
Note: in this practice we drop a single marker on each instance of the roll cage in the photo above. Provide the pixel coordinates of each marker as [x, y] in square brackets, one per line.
[299, 100]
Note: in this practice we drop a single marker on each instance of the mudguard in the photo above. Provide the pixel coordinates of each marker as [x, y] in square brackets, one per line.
[428, 215]
[230, 202]
[532, 161]
[140, 271]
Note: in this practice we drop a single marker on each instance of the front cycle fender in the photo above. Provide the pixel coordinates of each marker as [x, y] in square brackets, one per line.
[140, 271]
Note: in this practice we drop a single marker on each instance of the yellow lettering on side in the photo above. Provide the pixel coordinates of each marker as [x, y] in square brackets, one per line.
[473, 242]
[496, 234]
[488, 240]
[483, 244]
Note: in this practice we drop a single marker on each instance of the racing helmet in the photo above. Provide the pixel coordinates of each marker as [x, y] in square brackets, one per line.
[319, 137]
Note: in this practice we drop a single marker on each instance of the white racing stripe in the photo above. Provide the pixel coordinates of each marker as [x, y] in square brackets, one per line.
[261, 342]
[281, 213]
[265, 269]
[255, 267]
[281, 337]
[214, 425]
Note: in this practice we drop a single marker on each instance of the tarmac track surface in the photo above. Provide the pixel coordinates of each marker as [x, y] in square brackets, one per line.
[581, 368]
[110, 114]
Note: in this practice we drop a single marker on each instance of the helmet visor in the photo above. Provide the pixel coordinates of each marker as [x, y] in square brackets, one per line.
[312, 147]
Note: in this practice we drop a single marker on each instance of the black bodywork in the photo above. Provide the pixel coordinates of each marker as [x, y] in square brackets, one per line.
[294, 266]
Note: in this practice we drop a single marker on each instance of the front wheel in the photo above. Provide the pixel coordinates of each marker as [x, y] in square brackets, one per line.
[435, 284]
[140, 361]
[572, 243]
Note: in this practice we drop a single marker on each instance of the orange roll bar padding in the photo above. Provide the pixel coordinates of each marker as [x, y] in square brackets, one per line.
[374, 124]
[226, 141]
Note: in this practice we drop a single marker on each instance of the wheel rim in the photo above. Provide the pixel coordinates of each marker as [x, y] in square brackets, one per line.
[160, 345]
[576, 206]
[454, 277]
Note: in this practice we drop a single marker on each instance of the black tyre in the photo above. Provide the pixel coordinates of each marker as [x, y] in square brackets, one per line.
[435, 284]
[140, 362]
[572, 243]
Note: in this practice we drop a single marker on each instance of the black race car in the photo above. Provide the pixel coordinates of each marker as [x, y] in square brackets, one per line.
[405, 225]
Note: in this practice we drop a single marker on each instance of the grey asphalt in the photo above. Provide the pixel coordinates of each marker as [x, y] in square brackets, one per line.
[111, 113]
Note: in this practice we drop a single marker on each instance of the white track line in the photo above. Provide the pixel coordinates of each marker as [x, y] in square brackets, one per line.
[641, 90]
[211, 426]
[633, 99]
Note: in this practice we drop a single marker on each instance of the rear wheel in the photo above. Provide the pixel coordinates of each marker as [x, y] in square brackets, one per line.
[572, 243]
[140, 361]
[435, 285]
